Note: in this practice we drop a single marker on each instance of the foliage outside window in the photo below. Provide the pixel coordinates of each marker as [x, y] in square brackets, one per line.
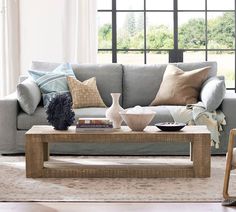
[145, 32]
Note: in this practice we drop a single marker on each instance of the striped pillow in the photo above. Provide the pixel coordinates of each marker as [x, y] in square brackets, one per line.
[51, 83]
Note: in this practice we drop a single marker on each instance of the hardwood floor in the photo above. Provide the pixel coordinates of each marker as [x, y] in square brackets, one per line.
[112, 207]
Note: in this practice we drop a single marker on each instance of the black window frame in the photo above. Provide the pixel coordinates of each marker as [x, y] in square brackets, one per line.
[175, 53]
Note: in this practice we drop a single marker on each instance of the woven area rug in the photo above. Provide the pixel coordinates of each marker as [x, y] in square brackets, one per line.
[14, 186]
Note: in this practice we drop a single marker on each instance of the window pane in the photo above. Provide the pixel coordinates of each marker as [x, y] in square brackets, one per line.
[104, 4]
[220, 5]
[191, 4]
[194, 56]
[130, 30]
[129, 5]
[160, 57]
[160, 30]
[130, 57]
[221, 30]
[192, 30]
[104, 57]
[156, 5]
[225, 65]
[104, 30]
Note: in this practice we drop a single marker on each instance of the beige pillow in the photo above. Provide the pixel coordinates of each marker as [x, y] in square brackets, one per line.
[85, 94]
[180, 87]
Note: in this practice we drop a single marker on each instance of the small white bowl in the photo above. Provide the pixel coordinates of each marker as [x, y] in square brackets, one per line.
[137, 122]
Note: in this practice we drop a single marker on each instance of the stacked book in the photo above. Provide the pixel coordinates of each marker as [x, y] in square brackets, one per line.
[93, 124]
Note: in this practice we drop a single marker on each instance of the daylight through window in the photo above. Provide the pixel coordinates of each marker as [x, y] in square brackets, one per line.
[147, 32]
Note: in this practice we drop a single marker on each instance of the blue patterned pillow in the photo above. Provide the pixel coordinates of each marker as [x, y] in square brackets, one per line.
[54, 82]
[49, 96]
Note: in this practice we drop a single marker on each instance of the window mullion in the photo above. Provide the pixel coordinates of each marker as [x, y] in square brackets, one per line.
[114, 32]
[175, 55]
[145, 33]
[175, 24]
[206, 33]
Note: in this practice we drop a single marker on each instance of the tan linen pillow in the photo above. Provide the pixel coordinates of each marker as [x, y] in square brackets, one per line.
[180, 87]
[85, 94]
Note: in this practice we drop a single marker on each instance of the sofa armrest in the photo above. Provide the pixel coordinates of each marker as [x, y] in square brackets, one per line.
[8, 119]
[228, 108]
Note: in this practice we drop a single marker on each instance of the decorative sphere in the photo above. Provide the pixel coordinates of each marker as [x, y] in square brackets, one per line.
[60, 113]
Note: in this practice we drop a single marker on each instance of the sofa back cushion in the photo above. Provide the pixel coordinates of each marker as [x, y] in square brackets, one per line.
[142, 82]
[180, 87]
[108, 76]
[85, 94]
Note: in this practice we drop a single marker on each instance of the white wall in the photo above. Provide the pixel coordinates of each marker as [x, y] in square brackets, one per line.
[41, 31]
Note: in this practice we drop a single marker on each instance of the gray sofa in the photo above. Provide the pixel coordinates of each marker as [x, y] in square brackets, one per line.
[138, 85]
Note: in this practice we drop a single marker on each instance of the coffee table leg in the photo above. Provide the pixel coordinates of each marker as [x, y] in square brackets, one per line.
[202, 156]
[34, 156]
[45, 151]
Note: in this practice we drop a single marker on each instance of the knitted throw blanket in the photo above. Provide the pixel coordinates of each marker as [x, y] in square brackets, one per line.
[196, 114]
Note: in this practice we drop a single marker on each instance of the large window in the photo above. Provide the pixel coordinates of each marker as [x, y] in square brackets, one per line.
[155, 31]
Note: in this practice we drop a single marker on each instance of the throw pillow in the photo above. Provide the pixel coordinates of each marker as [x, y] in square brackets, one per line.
[212, 93]
[54, 82]
[85, 94]
[49, 96]
[180, 87]
[28, 96]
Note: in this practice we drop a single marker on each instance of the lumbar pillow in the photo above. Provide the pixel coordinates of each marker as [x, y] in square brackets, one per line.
[212, 93]
[28, 95]
[54, 82]
[179, 87]
[85, 94]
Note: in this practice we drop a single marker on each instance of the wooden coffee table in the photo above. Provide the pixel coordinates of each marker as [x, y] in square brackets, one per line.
[39, 137]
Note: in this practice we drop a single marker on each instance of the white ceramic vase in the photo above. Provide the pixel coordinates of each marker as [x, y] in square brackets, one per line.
[112, 112]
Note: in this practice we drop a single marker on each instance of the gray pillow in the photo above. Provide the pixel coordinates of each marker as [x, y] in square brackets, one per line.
[28, 95]
[213, 92]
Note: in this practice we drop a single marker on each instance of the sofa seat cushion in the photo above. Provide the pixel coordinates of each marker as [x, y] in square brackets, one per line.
[25, 121]
[162, 114]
